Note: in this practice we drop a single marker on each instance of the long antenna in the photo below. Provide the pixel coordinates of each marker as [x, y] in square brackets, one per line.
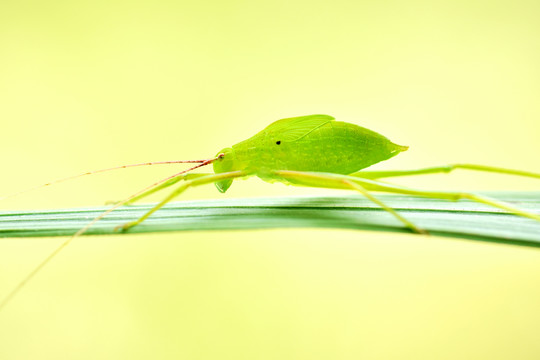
[100, 171]
[56, 251]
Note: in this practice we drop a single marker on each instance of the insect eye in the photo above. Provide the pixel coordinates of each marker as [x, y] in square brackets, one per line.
[278, 142]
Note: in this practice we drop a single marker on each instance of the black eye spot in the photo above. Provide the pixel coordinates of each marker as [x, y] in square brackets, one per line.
[278, 142]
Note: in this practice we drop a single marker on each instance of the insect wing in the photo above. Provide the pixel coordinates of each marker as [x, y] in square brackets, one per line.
[295, 128]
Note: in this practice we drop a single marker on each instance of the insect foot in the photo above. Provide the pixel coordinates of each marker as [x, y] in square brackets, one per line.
[420, 231]
[125, 227]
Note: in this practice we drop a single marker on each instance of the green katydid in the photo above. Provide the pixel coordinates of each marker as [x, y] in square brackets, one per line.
[317, 151]
[314, 151]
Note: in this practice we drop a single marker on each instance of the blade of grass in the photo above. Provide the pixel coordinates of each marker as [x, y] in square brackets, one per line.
[461, 219]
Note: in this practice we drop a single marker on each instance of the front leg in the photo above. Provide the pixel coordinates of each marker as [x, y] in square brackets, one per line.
[201, 180]
[166, 184]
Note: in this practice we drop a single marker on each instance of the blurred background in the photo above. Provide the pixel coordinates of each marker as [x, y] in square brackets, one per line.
[91, 84]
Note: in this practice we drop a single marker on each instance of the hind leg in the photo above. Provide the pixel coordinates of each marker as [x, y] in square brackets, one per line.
[442, 169]
[337, 181]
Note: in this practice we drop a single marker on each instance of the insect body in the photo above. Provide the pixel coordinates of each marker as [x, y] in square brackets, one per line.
[313, 150]
[314, 143]
[317, 151]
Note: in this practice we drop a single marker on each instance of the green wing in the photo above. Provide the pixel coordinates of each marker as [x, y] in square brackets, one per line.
[292, 129]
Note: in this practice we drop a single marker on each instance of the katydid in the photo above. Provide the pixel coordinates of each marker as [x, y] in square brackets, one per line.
[317, 151]
[312, 150]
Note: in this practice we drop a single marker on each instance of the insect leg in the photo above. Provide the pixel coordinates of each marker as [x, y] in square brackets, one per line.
[342, 182]
[211, 178]
[443, 169]
[147, 190]
[364, 192]
[163, 186]
[373, 185]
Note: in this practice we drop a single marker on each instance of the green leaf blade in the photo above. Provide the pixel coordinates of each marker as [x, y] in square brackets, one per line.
[463, 219]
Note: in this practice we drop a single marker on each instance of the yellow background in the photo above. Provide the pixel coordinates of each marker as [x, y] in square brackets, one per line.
[92, 84]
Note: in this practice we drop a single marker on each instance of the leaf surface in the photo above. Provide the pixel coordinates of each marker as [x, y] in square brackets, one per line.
[463, 219]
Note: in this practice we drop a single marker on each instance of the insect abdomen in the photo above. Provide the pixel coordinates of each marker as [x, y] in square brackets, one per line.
[341, 148]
